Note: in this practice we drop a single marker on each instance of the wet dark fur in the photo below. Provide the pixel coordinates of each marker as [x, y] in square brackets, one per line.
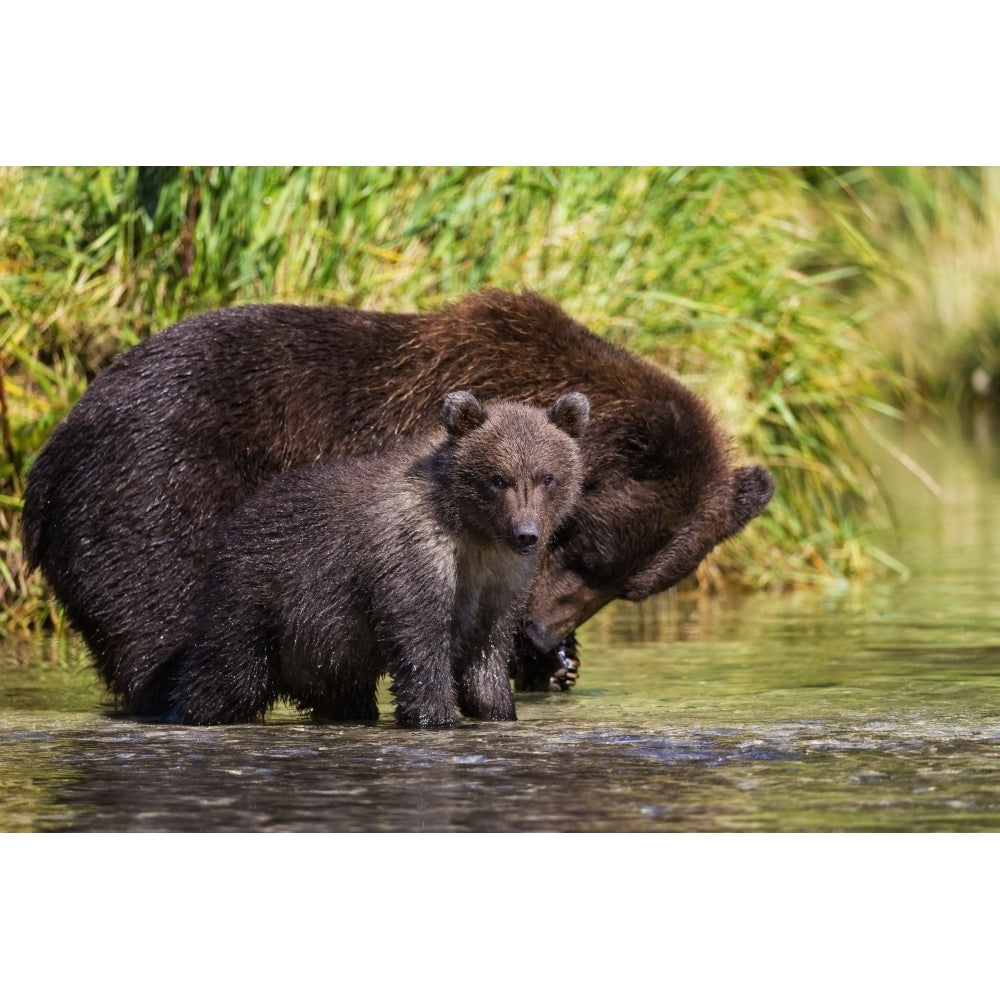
[416, 563]
[123, 503]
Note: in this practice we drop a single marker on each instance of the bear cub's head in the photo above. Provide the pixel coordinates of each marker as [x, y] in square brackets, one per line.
[515, 470]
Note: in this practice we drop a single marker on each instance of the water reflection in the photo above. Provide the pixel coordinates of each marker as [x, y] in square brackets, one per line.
[860, 708]
[896, 773]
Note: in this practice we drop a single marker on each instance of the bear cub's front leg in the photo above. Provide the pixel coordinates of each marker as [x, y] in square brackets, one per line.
[419, 703]
[484, 691]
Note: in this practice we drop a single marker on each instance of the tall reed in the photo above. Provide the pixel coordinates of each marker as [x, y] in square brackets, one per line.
[936, 313]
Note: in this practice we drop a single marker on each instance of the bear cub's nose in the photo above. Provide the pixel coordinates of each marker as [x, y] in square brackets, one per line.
[526, 536]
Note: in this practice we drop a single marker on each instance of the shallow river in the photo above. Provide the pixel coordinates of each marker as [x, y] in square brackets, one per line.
[871, 707]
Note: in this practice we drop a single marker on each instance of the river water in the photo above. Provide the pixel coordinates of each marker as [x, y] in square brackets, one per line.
[862, 707]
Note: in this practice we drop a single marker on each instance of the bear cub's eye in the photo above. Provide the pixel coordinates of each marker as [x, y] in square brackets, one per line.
[548, 480]
[497, 482]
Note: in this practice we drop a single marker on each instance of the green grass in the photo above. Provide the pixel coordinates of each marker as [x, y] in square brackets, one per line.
[754, 285]
[937, 310]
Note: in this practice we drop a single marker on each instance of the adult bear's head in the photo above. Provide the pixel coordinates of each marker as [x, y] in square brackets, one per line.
[660, 492]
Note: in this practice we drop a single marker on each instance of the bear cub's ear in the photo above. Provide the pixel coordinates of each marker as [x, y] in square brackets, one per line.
[570, 413]
[462, 412]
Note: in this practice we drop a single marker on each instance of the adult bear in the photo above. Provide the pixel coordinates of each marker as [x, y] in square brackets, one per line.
[123, 503]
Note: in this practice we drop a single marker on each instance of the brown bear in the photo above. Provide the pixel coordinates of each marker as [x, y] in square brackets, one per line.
[123, 503]
[416, 563]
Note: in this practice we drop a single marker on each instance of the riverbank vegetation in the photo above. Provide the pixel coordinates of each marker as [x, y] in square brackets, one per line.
[806, 305]
[938, 320]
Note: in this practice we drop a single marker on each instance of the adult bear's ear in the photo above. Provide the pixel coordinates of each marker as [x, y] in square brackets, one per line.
[462, 412]
[753, 489]
[570, 413]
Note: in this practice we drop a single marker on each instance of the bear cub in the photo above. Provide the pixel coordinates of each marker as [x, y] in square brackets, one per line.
[417, 563]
